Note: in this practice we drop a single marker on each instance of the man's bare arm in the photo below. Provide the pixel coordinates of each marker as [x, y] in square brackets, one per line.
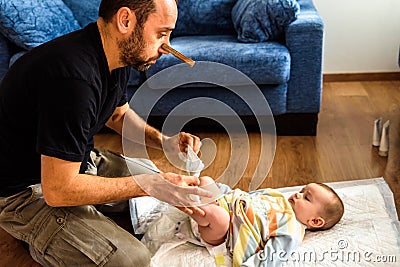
[137, 130]
[62, 185]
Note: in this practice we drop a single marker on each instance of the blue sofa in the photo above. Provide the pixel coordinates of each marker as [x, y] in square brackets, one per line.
[285, 63]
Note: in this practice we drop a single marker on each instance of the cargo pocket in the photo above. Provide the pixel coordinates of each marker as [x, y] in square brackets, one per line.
[82, 240]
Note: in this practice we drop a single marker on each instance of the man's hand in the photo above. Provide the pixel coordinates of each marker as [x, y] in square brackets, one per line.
[180, 142]
[178, 190]
[189, 181]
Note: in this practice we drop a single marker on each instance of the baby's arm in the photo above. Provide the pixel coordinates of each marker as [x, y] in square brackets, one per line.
[215, 224]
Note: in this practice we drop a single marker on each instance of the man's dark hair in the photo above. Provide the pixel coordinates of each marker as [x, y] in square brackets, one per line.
[142, 9]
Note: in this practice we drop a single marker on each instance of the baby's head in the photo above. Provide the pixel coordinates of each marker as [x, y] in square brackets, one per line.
[317, 206]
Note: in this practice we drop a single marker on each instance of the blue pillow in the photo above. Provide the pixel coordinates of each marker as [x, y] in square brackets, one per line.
[263, 20]
[85, 11]
[29, 23]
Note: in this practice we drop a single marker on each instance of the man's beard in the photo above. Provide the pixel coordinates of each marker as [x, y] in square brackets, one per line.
[132, 49]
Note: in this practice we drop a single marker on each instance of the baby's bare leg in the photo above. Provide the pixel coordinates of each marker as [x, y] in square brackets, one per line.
[215, 224]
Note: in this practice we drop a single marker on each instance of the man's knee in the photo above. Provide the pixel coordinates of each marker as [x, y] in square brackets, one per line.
[122, 249]
[135, 255]
[85, 237]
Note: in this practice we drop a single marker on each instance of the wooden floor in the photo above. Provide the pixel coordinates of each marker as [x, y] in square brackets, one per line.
[341, 150]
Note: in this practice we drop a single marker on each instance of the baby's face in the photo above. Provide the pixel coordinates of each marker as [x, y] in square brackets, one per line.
[309, 202]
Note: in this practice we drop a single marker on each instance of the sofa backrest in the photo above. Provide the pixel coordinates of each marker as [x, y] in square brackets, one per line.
[84, 11]
[205, 17]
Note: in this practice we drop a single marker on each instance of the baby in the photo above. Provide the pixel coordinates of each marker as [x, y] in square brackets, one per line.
[257, 224]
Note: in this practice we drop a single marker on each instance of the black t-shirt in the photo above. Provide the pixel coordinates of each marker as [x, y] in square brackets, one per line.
[52, 102]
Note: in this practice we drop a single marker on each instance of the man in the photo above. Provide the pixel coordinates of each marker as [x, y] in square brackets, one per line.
[53, 101]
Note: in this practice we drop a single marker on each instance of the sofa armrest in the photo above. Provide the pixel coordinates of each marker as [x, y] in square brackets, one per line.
[5, 55]
[304, 40]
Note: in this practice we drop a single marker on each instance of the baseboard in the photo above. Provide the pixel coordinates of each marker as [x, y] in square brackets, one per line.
[351, 77]
[293, 124]
[296, 124]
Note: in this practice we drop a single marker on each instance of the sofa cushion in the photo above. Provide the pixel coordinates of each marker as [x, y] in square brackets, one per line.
[264, 63]
[204, 17]
[136, 77]
[263, 20]
[274, 94]
[30, 23]
[84, 11]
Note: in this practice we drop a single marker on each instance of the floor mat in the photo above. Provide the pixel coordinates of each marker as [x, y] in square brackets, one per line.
[367, 235]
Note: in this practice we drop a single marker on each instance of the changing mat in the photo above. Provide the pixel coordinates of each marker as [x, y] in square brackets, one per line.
[367, 235]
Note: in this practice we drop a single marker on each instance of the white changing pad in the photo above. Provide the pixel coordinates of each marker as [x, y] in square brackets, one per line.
[368, 234]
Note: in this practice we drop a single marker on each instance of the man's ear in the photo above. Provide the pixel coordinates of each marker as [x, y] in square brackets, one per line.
[126, 20]
[316, 222]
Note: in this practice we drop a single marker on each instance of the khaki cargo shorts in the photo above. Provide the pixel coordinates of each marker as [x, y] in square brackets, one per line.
[69, 236]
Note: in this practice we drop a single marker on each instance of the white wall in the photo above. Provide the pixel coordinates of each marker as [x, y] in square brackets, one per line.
[360, 35]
